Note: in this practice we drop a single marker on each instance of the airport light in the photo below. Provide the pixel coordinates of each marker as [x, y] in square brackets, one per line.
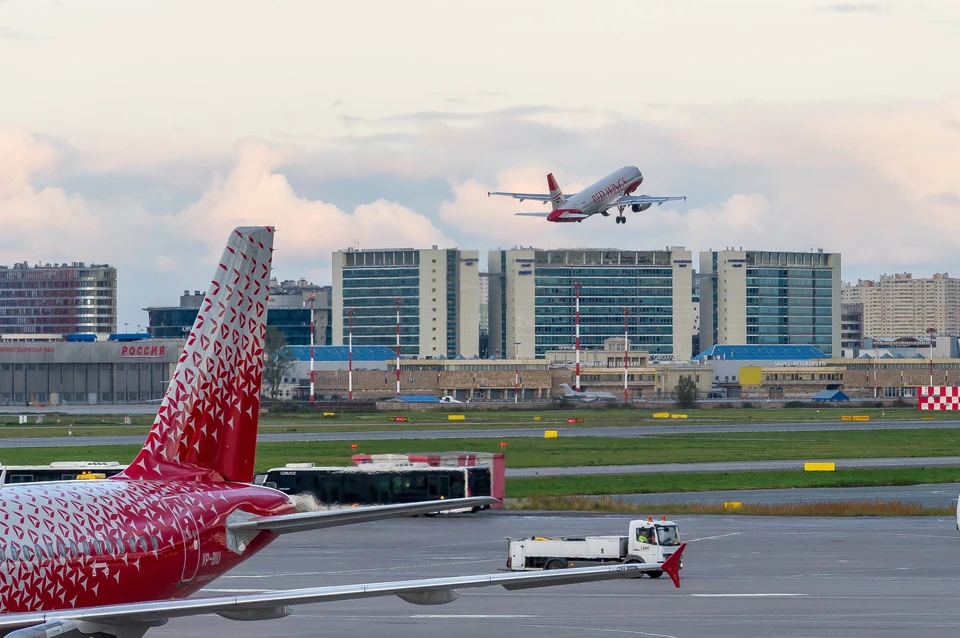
[576, 339]
[313, 329]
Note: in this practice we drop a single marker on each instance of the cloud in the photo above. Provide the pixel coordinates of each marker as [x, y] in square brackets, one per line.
[856, 7]
[6, 33]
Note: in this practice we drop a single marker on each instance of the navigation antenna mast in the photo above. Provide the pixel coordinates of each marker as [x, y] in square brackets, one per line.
[350, 356]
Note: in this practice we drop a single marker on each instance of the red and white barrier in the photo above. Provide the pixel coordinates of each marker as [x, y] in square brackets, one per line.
[938, 397]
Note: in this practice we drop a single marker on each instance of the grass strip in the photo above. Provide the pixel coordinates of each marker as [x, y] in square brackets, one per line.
[716, 481]
[876, 507]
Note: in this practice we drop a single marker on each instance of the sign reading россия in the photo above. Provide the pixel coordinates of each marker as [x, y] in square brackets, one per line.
[142, 351]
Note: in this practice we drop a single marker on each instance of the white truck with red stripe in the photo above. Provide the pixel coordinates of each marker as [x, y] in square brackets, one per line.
[647, 542]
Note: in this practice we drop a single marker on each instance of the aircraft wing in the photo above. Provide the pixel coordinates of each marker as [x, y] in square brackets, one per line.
[536, 197]
[302, 521]
[627, 200]
[532, 214]
[274, 604]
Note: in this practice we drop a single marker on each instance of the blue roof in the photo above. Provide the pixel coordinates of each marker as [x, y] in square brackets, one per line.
[762, 353]
[413, 398]
[340, 353]
[830, 395]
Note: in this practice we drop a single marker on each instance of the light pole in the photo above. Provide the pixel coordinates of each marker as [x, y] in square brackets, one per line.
[576, 339]
[516, 371]
[313, 401]
[398, 345]
[930, 330]
[626, 351]
[350, 356]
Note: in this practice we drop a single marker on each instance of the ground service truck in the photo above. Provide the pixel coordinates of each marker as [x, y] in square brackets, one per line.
[647, 542]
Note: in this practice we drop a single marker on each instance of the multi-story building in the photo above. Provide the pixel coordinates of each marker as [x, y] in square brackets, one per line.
[58, 299]
[436, 291]
[770, 298]
[533, 295]
[900, 306]
[851, 328]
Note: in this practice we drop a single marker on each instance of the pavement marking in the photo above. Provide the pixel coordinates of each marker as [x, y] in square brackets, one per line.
[632, 632]
[710, 538]
[473, 616]
[242, 591]
[743, 595]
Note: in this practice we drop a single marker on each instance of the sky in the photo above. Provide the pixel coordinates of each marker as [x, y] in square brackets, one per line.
[139, 133]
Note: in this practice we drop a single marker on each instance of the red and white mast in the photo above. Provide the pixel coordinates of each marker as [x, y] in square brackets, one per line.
[398, 345]
[350, 356]
[626, 351]
[576, 342]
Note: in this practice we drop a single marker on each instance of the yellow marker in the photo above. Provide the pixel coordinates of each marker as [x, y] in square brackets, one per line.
[819, 467]
[861, 418]
[678, 416]
[538, 418]
[733, 505]
[661, 415]
[549, 434]
[846, 417]
[329, 414]
[456, 417]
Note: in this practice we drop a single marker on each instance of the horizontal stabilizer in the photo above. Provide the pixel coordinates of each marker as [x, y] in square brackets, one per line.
[302, 521]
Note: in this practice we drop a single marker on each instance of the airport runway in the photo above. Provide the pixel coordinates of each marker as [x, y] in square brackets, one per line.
[930, 495]
[744, 577]
[731, 466]
[508, 433]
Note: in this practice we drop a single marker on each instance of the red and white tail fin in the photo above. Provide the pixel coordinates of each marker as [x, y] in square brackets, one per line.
[206, 427]
[556, 195]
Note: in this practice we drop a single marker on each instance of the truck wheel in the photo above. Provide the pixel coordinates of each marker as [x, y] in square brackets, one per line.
[634, 561]
[556, 563]
[656, 574]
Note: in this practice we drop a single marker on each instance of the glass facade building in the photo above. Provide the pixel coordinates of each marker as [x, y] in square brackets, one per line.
[176, 323]
[58, 299]
[533, 298]
[437, 292]
[771, 298]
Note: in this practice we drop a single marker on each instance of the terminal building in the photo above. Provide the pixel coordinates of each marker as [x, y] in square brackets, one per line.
[58, 299]
[770, 298]
[533, 298]
[436, 292]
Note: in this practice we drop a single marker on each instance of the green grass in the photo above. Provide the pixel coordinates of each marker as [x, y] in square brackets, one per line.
[710, 481]
[573, 451]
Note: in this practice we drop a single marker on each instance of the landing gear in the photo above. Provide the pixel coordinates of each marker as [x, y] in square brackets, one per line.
[621, 219]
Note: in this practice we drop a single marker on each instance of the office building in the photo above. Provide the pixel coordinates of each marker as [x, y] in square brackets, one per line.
[437, 291]
[533, 298]
[770, 298]
[900, 306]
[58, 299]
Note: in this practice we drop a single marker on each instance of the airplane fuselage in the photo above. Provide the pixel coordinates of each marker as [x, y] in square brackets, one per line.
[83, 543]
[597, 197]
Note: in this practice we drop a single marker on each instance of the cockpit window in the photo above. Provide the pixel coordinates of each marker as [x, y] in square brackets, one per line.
[668, 534]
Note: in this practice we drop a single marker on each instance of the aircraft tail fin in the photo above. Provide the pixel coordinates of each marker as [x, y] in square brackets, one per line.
[566, 389]
[557, 198]
[206, 426]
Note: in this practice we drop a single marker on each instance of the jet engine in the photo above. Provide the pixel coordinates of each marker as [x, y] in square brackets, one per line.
[640, 207]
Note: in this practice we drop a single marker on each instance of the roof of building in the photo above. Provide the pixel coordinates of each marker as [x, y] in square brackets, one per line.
[830, 395]
[341, 353]
[762, 353]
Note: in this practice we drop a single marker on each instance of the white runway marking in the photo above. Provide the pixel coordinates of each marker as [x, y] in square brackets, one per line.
[242, 591]
[710, 538]
[473, 616]
[632, 632]
[743, 595]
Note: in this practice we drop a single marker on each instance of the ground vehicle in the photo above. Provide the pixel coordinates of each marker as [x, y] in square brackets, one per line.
[647, 542]
[378, 483]
[58, 471]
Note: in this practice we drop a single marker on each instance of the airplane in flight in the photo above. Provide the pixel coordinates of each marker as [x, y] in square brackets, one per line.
[117, 556]
[612, 192]
[585, 395]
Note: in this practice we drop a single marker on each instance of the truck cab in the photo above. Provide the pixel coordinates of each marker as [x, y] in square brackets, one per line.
[653, 541]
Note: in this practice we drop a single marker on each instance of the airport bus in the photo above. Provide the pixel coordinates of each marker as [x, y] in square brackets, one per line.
[59, 471]
[378, 483]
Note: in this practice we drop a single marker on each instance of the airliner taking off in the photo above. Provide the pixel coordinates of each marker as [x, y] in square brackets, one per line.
[613, 191]
[117, 556]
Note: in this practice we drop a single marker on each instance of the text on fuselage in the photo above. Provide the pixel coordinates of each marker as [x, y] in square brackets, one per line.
[617, 186]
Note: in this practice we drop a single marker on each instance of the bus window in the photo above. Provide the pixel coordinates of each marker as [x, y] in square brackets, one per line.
[479, 481]
[21, 478]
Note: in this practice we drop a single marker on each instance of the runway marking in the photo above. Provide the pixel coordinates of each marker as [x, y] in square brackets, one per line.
[473, 616]
[632, 632]
[243, 591]
[710, 538]
[743, 595]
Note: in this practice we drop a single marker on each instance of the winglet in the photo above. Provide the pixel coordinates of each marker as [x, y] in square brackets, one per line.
[672, 565]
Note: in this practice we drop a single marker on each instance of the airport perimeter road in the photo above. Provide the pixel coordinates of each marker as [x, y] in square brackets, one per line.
[743, 577]
[730, 466]
[507, 433]
[931, 495]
